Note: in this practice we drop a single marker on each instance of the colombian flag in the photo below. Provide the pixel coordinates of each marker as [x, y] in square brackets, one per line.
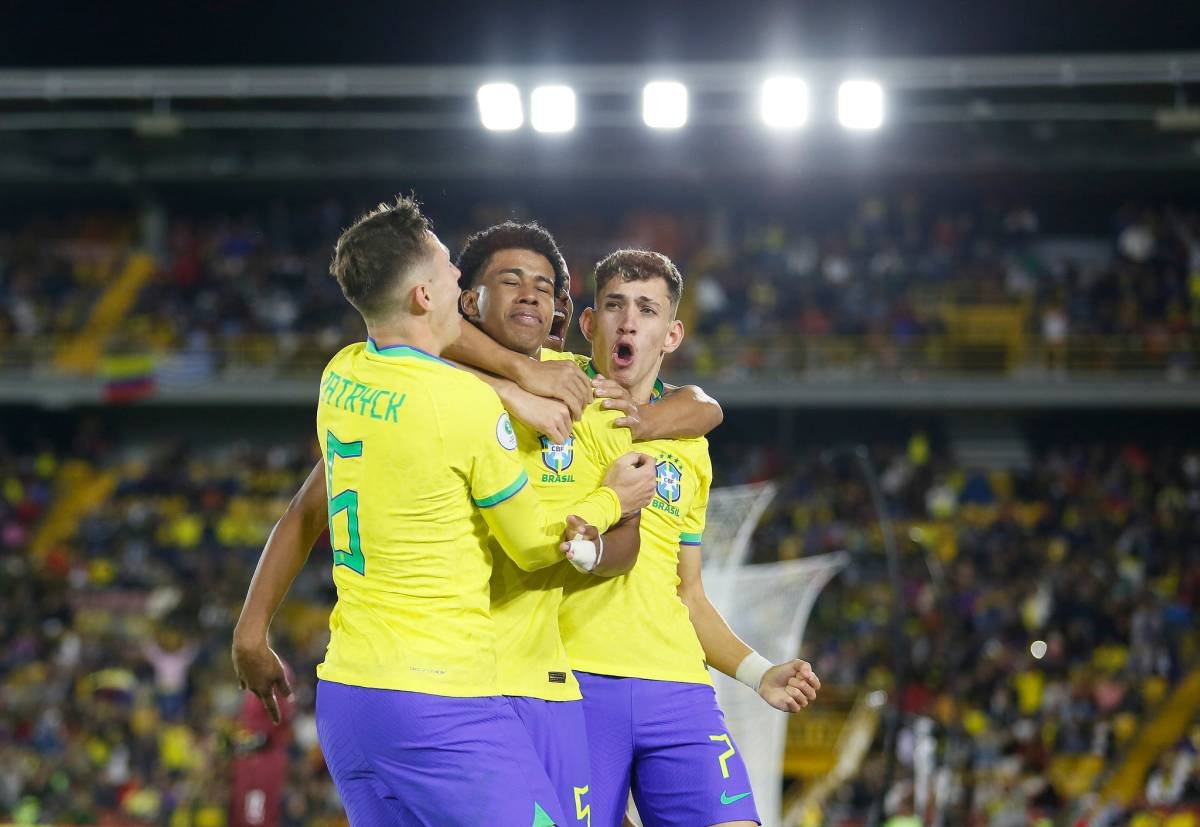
[128, 377]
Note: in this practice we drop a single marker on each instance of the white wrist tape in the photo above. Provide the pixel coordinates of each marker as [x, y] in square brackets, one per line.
[752, 669]
[586, 555]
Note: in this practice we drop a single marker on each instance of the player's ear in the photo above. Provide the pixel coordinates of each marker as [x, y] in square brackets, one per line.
[468, 302]
[421, 297]
[674, 336]
[586, 321]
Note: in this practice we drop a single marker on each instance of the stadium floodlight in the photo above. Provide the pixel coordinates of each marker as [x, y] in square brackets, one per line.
[860, 104]
[664, 104]
[500, 106]
[784, 102]
[552, 109]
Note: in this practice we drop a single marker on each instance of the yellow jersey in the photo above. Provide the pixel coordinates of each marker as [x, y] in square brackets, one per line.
[532, 660]
[421, 468]
[635, 625]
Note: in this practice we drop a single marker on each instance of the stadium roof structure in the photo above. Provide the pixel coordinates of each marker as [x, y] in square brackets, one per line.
[944, 114]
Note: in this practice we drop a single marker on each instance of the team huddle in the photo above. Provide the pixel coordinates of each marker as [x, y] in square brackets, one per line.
[521, 634]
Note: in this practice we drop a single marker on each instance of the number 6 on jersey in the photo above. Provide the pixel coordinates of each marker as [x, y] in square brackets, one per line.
[347, 501]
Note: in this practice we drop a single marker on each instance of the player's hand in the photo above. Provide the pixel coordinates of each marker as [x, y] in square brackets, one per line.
[616, 398]
[545, 416]
[578, 529]
[632, 477]
[790, 686]
[260, 670]
[558, 379]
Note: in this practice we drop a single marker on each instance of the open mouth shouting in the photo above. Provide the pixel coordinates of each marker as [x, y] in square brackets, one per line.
[558, 330]
[622, 354]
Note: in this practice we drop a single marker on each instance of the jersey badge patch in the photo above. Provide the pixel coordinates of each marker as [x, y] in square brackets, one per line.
[558, 458]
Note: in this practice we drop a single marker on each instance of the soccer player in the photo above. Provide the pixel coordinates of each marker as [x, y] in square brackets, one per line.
[639, 642]
[509, 274]
[420, 468]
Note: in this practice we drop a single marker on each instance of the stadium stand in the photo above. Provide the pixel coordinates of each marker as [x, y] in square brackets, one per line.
[890, 285]
[115, 667]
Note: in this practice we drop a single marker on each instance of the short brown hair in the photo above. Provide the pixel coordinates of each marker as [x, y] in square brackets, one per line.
[378, 250]
[640, 265]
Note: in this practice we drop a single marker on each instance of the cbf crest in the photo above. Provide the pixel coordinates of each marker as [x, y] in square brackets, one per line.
[558, 458]
[669, 479]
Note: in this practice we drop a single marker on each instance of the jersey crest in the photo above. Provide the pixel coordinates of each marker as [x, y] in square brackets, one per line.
[669, 479]
[558, 458]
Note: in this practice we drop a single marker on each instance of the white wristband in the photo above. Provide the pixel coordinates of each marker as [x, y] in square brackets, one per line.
[586, 555]
[752, 669]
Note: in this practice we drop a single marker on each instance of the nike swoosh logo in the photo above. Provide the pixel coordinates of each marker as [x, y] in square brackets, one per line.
[726, 798]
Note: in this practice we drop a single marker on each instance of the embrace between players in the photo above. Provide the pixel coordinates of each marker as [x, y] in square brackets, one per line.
[483, 669]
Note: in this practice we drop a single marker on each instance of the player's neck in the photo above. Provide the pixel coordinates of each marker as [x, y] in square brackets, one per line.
[643, 391]
[414, 334]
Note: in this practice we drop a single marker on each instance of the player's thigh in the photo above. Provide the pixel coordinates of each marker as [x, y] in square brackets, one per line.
[473, 763]
[453, 762]
[687, 770]
[559, 735]
[368, 803]
[607, 712]
[365, 800]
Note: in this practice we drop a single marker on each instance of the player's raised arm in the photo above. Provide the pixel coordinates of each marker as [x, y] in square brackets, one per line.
[257, 666]
[681, 413]
[561, 380]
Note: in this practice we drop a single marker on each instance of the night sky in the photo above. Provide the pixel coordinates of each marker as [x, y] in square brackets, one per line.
[217, 32]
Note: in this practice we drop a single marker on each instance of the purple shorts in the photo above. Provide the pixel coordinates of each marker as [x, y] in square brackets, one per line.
[417, 760]
[559, 736]
[667, 742]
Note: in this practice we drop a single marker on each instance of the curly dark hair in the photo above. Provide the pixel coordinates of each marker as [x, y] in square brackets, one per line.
[479, 248]
[640, 265]
[377, 250]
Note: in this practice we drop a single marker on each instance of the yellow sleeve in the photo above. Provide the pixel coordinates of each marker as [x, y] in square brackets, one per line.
[691, 531]
[531, 538]
[500, 487]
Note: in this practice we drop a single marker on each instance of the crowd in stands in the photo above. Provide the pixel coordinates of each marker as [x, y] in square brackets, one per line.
[874, 286]
[1050, 611]
[117, 699]
[51, 273]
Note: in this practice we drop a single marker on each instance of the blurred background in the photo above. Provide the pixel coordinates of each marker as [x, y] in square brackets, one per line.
[961, 241]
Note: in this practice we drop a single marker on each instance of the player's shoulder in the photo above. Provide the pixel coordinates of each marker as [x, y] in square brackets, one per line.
[692, 450]
[463, 391]
[596, 424]
[346, 354]
[549, 355]
[465, 404]
[595, 415]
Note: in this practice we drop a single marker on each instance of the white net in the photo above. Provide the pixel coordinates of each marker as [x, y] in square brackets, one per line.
[767, 606]
[732, 515]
